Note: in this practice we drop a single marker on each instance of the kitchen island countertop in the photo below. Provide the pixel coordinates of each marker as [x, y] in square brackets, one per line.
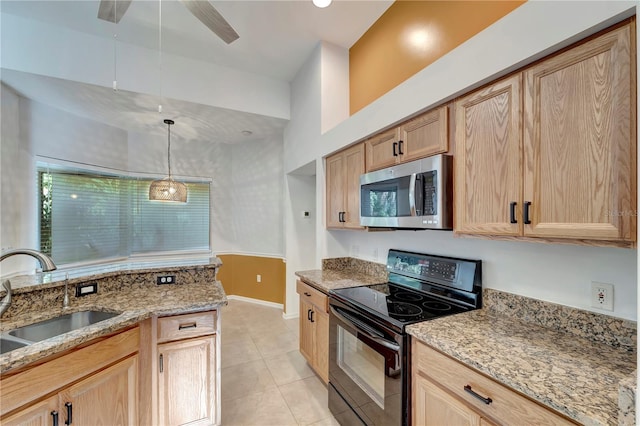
[133, 297]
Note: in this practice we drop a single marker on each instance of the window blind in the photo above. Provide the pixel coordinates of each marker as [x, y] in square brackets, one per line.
[88, 217]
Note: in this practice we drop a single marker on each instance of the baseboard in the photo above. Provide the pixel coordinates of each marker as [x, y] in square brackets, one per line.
[290, 316]
[256, 301]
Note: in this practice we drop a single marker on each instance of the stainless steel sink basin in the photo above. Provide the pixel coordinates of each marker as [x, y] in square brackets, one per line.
[60, 325]
[7, 345]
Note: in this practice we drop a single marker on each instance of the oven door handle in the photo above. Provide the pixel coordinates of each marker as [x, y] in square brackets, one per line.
[369, 331]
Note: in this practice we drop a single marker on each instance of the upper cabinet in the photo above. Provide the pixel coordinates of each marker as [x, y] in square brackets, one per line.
[343, 171]
[419, 137]
[550, 152]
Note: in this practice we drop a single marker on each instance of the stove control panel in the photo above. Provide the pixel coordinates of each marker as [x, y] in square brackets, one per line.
[453, 272]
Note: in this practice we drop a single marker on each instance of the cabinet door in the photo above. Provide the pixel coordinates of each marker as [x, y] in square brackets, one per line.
[580, 141]
[354, 163]
[109, 397]
[436, 407]
[321, 343]
[487, 165]
[40, 414]
[380, 150]
[306, 331]
[335, 190]
[186, 384]
[425, 135]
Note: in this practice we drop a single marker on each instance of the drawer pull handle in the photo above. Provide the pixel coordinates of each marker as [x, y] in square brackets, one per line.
[467, 388]
[54, 415]
[161, 362]
[307, 294]
[185, 326]
[69, 413]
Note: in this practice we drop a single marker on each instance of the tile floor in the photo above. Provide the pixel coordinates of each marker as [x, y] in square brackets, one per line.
[265, 380]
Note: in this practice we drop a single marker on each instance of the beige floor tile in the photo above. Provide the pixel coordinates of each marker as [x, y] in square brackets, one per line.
[293, 325]
[260, 328]
[307, 399]
[239, 351]
[245, 379]
[288, 367]
[330, 421]
[265, 408]
[271, 345]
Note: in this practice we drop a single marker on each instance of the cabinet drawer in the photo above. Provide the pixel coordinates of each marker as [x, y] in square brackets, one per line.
[506, 407]
[186, 326]
[313, 296]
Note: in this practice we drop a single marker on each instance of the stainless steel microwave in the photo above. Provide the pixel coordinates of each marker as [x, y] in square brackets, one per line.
[415, 195]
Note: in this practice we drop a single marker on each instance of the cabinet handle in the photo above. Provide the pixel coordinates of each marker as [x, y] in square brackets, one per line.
[161, 363]
[309, 314]
[185, 326]
[512, 212]
[527, 219]
[312, 316]
[395, 144]
[307, 294]
[340, 217]
[69, 413]
[467, 388]
[400, 147]
[54, 416]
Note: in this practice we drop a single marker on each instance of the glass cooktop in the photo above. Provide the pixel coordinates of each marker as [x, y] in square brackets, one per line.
[398, 303]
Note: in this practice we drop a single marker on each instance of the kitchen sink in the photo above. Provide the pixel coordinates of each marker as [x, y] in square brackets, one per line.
[63, 324]
[7, 345]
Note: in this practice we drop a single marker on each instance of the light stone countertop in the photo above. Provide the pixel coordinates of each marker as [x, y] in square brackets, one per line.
[135, 296]
[573, 375]
[328, 279]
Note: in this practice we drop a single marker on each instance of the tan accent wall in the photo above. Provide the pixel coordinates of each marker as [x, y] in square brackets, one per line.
[409, 36]
[238, 277]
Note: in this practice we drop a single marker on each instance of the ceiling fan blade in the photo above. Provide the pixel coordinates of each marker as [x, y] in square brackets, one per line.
[108, 9]
[208, 15]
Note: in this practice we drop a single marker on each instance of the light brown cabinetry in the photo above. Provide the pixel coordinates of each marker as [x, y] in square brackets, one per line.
[549, 152]
[314, 328]
[417, 138]
[96, 384]
[187, 369]
[444, 391]
[343, 171]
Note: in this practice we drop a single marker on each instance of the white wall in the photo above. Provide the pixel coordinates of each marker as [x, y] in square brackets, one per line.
[300, 231]
[72, 55]
[18, 218]
[334, 86]
[556, 273]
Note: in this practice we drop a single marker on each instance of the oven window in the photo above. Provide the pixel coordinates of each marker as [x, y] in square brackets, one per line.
[362, 364]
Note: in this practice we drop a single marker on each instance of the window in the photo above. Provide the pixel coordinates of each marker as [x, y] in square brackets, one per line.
[87, 216]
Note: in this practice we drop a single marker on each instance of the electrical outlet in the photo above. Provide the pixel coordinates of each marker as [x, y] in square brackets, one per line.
[165, 279]
[375, 254]
[259, 278]
[602, 295]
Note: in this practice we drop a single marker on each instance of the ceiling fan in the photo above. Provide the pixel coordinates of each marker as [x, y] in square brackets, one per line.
[201, 9]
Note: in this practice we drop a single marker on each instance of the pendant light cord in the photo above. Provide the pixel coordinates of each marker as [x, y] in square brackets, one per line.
[169, 148]
[160, 51]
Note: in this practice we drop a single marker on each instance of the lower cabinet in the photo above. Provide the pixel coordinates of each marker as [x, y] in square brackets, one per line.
[446, 392]
[186, 384]
[314, 328]
[94, 385]
[187, 366]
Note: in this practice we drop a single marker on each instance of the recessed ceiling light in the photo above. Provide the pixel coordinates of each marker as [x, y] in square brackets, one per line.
[247, 132]
[321, 3]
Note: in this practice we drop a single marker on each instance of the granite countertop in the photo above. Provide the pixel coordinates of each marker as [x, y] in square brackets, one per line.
[135, 300]
[345, 272]
[570, 374]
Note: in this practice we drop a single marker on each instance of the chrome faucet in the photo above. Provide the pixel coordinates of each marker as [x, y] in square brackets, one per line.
[46, 263]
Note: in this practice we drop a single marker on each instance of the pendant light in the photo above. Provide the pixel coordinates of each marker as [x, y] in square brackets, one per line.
[168, 189]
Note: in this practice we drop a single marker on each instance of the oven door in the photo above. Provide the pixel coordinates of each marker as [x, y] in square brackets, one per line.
[365, 370]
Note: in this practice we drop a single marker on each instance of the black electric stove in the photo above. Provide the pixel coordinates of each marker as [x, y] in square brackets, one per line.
[369, 350]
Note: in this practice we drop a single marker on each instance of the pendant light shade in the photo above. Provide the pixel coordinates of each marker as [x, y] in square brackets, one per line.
[168, 189]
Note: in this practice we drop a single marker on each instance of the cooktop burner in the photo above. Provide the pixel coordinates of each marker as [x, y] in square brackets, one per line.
[403, 309]
[434, 305]
[411, 297]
